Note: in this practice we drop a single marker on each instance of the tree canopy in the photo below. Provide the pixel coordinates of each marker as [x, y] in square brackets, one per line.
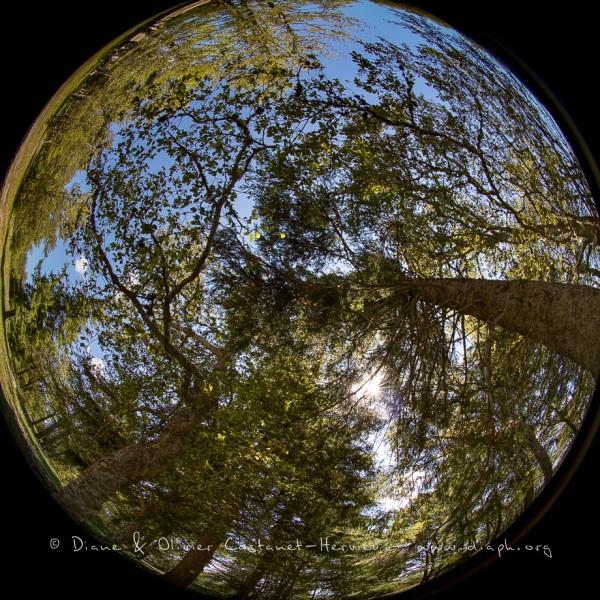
[312, 304]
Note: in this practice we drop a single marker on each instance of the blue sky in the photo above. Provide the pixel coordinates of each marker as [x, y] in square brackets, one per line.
[378, 23]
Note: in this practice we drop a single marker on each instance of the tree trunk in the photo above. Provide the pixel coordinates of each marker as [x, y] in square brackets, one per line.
[268, 560]
[9, 314]
[529, 498]
[248, 586]
[48, 430]
[541, 456]
[40, 420]
[563, 317]
[194, 562]
[83, 496]
[529, 437]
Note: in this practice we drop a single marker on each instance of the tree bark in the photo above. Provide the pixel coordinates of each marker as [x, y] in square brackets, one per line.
[541, 456]
[536, 447]
[194, 562]
[44, 433]
[563, 317]
[248, 586]
[83, 496]
[9, 314]
[40, 420]
[268, 559]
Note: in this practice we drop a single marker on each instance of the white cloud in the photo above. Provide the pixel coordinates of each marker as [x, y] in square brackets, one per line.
[81, 265]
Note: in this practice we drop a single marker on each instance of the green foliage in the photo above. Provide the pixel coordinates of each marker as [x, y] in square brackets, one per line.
[258, 313]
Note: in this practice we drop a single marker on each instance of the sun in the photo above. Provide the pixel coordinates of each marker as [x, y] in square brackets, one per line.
[371, 385]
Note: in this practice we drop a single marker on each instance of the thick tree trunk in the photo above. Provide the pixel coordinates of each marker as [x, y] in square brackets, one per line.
[194, 562]
[83, 496]
[563, 317]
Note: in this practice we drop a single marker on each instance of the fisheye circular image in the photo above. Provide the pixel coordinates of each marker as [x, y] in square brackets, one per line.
[299, 299]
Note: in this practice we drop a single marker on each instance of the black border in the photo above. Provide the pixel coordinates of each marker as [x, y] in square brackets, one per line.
[43, 46]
